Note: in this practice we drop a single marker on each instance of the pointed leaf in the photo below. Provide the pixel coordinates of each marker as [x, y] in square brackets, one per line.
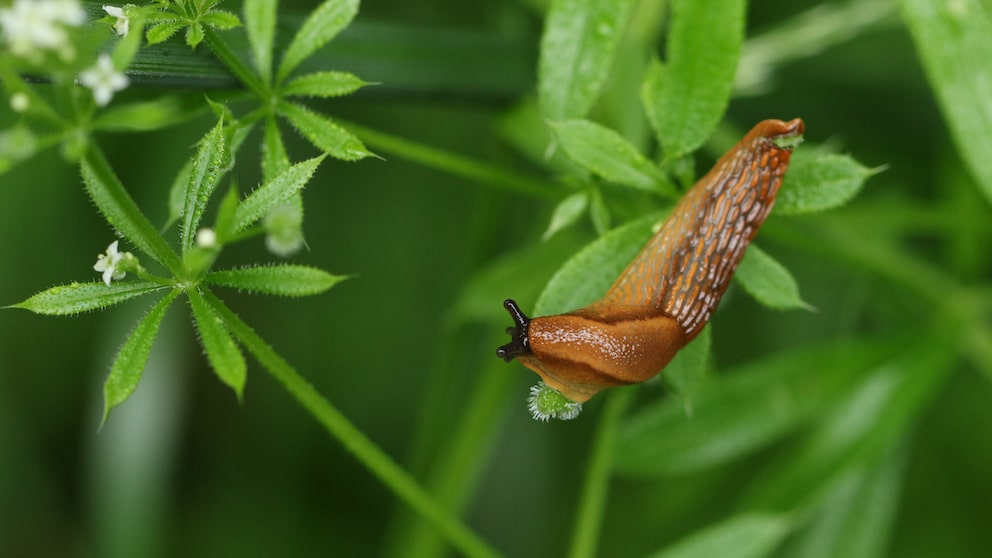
[324, 133]
[566, 212]
[856, 518]
[768, 281]
[274, 157]
[686, 372]
[589, 273]
[220, 19]
[75, 298]
[866, 423]
[952, 39]
[817, 182]
[117, 207]
[599, 212]
[686, 98]
[278, 190]
[160, 32]
[260, 24]
[577, 50]
[208, 166]
[321, 26]
[130, 362]
[177, 192]
[222, 352]
[144, 116]
[607, 154]
[126, 48]
[324, 84]
[742, 536]
[283, 280]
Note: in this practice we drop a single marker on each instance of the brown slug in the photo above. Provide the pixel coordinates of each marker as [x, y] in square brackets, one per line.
[666, 295]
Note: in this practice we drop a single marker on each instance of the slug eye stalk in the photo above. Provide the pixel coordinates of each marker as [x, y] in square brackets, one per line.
[668, 292]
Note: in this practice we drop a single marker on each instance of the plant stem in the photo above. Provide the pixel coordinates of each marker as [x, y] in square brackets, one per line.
[353, 439]
[457, 165]
[236, 65]
[589, 519]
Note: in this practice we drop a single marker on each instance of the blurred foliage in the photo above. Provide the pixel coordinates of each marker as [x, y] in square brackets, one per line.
[852, 430]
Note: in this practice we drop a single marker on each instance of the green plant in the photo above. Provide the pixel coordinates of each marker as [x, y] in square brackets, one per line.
[788, 433]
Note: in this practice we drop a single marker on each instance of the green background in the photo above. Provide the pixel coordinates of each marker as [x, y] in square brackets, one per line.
[183, 469]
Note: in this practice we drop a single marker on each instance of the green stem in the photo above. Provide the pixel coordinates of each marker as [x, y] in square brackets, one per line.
[589, 519]
[457, 165]
[236, 65]
[339, 427]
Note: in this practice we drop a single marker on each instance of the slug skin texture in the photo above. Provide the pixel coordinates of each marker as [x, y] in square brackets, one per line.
[668, 292]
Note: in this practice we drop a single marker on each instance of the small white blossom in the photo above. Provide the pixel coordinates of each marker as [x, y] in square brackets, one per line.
[103, 79]
[206, 238]
[30, 26]
[121, 23]
[109, 264]
[19, 102]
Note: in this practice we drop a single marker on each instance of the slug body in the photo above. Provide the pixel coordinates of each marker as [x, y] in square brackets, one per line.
[666, 295]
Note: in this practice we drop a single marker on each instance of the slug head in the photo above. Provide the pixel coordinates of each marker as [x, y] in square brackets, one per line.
[581, 353]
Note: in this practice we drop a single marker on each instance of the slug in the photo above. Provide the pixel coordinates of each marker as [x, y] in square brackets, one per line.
[668, 292]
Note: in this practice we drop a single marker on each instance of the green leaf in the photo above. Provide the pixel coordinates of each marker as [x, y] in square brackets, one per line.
[566, 212]
[742, 409]
[856, 518]
[260, 24]
[274, 157]
[144, 116]
[599, 212]
[194, 35]
[130, 362]
[866, 423]
[220, 19]
[687, 371]
[126, 49]
[226, 212]
[577, 50]
[177, 193]
[741, 536]
[321, 26]
[817, 182]
[282, 280]
[208, 167]
[324, 133]
[117, 207]
[686, 98]
[324, 84]
[160, 32]
[607, 154]
[274, 192]
[222, 352]
[953, 43]
[588, 274]
[768, 281]
[75, 298]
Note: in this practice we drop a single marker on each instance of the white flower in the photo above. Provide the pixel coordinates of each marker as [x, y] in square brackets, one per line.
[30, 26]
[108, 263]
[103, 79]
[121, 23]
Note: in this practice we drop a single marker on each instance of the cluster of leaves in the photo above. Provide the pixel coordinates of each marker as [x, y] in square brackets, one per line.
[189, 271]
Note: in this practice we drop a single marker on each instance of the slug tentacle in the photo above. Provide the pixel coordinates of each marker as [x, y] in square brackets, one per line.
[519, 344]
[667, 294]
